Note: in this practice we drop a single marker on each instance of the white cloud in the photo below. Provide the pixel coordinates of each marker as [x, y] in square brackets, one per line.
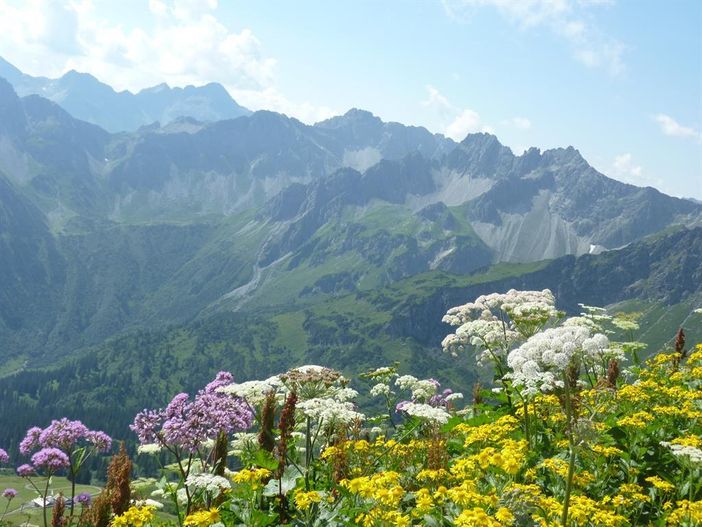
[623, 165]
[180, 42]
[436, 99]
[467, 122]
[625, 169]
[454, 122]
[569, 19]
[671, 127]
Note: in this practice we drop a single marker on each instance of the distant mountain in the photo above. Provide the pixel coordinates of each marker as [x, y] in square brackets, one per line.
[88, 99]
[109, 234]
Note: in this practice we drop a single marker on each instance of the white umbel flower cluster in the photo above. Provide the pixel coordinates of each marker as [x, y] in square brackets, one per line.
[254, 392]
[431, 414]
[539, 363]
[690, 452]
[380, 389]
[330, 411]
[150, 449]
[533, 305]
[422, 389]
[210, 484]
[493, 323]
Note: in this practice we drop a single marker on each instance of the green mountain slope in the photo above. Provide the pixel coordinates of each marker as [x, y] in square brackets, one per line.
[352, 332]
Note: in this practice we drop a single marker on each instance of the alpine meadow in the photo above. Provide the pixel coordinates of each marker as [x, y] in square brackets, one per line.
[281, 263]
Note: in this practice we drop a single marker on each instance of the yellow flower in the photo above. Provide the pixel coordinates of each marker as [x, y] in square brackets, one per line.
[504, 515]
[202, 518]
[304, 500]
[686, 510]
[660, 484]
[134, 517]
[475, 517]
[251, 476]
[423, 502]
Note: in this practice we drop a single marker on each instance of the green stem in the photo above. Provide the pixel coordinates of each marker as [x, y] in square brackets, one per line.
[73, 487]
[525, 402]
[308, 456]
[571, 445]
[46, 492]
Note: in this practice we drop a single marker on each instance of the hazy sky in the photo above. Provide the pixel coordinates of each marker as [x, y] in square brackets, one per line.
[621, 80]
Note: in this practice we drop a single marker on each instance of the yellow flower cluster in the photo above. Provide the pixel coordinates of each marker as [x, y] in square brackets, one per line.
[490, 432]
[660, 484]
[202, 518]
[251, 476]
[383, 487]
[477, 517]
[686, 511]
[304, 500]
[134, 517]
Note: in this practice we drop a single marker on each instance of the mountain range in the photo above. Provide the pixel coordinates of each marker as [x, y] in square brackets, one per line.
[252, 241]
[90, 100]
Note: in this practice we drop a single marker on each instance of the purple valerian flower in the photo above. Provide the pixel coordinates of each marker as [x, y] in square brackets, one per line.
[177, 407]
[187, 424]
[25, 470]
[4, 458]
[223, 378]
[146, 424]
[50, 459]
[9, 493]
[100, 440]
[83, 498]
[30, 441]
[440, 398]
[62, 434]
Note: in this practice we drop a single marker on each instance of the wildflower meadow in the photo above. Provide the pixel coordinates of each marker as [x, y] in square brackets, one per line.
[570, 426]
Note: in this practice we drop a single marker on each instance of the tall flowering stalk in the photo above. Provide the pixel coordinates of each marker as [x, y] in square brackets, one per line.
[550, 361]
[493, 324]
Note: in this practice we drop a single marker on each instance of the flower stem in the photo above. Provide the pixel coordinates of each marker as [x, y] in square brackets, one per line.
[571, 446]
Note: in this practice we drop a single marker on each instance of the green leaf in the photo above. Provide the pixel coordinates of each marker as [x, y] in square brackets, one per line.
[265, 459]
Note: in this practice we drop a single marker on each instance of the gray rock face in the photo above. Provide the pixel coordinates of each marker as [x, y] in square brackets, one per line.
[298, 181]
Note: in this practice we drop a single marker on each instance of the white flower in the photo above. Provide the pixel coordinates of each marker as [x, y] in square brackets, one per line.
[541, 361]
[150, 449]
[380, 389]
[330, 410]
[694, 454]
[209, 483]
[255, 392]
[405, 382]
[421, 389]
[426, 412]
[454, 396]
[493, 323]
[345, 394]
[147, 503]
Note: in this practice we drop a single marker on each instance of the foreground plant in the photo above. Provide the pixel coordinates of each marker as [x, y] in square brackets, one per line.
[63, 445]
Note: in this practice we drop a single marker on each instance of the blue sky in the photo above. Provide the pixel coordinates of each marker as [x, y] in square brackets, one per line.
[621, 80]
